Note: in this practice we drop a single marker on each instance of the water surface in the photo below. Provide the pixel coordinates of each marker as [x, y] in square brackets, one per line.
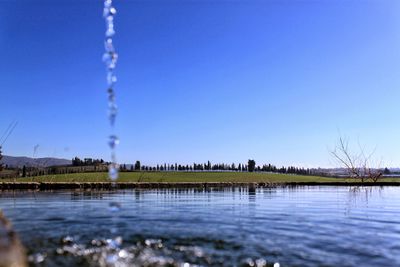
[301, 226]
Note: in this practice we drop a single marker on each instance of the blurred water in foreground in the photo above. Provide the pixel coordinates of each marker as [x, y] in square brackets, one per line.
[301, 226]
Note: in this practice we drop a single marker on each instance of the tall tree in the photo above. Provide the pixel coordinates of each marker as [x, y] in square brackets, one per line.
[233, 167]
[24, 171]
[251, 165]
[137, 165]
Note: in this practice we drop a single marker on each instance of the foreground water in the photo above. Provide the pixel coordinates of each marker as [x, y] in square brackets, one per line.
[302, 226]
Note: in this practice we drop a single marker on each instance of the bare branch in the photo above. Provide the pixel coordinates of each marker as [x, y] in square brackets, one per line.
[357, 165]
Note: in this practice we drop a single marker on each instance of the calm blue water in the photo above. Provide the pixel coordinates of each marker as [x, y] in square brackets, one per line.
[302, 226]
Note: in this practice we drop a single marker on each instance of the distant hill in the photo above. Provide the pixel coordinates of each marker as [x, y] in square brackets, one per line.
[33, 162]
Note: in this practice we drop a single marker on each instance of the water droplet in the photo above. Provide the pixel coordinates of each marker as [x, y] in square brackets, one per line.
[111, 105]
[111, 65]
[109, 11]
[250, 262]
[113, 172]
[276, 264]
[114, 159]
[111, 259]
[110, 59]
[37, 258]
[106, 11]
[153, 242]
[107, 3]
[110, 31]
[114, 243]
[111, 97]
[110, 91]
[108, 45]
[261, 262]
[96, 242]
[111, 79]
[67, 240]
[123, 253]
[107, 58]
[110, 21]
[112, 114]
[113, 141]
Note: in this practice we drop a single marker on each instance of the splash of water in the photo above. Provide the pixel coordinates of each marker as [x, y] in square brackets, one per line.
[144, 252]
[110, 58]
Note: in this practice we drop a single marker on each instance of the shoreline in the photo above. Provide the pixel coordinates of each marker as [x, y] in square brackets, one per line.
[43, 186]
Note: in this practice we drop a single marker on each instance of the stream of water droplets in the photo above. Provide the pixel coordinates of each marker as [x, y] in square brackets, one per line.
[110, 58]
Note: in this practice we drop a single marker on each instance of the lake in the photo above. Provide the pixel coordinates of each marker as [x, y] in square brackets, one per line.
[292, 226]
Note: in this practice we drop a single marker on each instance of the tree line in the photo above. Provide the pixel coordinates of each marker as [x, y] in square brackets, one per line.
[86, 162]
[99, 165]
[250, 166]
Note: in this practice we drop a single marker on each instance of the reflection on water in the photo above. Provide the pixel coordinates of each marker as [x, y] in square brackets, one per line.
[295, 226]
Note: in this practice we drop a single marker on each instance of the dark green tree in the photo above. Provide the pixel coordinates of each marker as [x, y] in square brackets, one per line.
[24, 171]
[251, 165]
[233, 167]
[137, 165]
[76, 161]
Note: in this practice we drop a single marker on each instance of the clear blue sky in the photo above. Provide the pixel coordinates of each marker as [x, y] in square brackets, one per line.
[203, 80]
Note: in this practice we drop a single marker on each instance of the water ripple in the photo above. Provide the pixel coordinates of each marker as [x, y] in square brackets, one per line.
[300, 226]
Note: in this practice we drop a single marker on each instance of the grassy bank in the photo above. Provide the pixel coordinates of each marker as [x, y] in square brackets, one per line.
[176, 177]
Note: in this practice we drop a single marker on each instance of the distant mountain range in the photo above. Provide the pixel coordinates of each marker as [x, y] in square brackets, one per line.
[34, 162]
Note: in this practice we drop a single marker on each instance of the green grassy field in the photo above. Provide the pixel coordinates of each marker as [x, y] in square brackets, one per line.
[176, 177]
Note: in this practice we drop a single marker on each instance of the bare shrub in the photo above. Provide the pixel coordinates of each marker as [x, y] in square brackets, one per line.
[357, 163]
